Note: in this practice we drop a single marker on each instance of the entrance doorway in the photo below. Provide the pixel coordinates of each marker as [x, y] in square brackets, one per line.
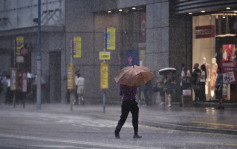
[55, 76]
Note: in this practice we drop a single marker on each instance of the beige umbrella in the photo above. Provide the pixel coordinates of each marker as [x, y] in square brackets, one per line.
[134, 75]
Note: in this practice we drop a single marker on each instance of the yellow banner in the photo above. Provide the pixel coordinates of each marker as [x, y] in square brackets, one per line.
[77, 47]
[19, 44]
[70, 77]
[111, 33]
[104, 75]
[13, 79]
[104, 55]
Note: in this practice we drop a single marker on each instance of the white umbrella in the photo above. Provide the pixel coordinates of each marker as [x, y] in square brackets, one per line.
[165, 71]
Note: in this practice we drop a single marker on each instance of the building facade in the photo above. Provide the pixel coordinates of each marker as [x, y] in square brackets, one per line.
[159, 32]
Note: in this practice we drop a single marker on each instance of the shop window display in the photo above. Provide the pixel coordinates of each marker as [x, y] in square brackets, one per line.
[212, 51]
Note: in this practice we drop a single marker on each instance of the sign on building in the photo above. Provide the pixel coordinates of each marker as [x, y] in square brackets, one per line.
[77, 47]
[13, 79]
[19, 44]
[70, 77]
[104, 55]
[206, 31]
[104, 75]
[110, 34]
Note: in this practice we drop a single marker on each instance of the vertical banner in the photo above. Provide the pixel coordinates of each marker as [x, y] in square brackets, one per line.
[111, 38]
[13, 79]
[132, 57]
[228, 52]
[24, 81]
[104, 75]
[77, 47]
[143, 28]
[70, 77]
[19, 44]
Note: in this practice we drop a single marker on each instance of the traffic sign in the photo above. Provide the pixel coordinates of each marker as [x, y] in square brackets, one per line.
[104, 55]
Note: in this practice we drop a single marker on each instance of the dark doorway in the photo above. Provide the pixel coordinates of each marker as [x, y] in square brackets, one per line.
[55, 76]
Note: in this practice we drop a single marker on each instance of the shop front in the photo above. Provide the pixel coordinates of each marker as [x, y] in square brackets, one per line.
[214, 45]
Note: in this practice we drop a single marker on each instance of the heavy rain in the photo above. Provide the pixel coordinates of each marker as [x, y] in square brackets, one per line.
[118, 74]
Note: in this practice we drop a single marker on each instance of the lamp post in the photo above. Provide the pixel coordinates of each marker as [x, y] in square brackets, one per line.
[38, 96]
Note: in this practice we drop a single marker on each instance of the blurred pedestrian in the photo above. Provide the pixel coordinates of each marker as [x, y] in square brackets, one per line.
[80, 83]
[8, 95]
[169, 87]
[203, 83]
[218, 88]
[161, 83]
[185, 83]
[196, 81]
[148, 93]
[129, 104]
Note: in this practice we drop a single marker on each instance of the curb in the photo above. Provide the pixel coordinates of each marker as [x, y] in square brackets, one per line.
[188, 128]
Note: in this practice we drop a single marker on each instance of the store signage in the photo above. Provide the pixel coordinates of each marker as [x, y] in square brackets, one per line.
[13, 79]
[104, 75]
[229, 71]
[19, 44]
[19, 59]
[24, 81]
[187, 92]
[228, 52]
[206, 31]
[143, 28]
[104, 55]
[110, 37]
[70, 77]
[228, 77]
[77, 47]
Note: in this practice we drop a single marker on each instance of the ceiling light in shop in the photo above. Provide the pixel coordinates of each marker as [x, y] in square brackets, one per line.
[226, 35]
[203, 11]
[228, 8]
[134, 8]
[120, 10]
[190, 13]
[109, 11]
[223, 17]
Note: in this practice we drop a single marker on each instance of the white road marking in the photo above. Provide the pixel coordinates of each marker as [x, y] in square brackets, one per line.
[76, 142]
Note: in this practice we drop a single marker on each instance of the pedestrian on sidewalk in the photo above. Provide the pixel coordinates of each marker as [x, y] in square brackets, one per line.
[80, 83]
[195, 79]
[218, 88]
[169, 87]
[129, 104]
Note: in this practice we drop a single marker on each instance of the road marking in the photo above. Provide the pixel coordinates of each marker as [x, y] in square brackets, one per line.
[55, 146]
[227, 125]
[76, 142]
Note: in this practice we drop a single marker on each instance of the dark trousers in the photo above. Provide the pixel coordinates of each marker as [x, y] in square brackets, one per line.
[202, 96]
[126, 107]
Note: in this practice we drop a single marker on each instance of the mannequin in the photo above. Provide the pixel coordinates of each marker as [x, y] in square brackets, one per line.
[213, 76]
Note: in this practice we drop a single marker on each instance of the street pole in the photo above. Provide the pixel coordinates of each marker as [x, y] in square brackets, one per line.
[38, 102]
[105, 49]
[14, 63]
[71, 90]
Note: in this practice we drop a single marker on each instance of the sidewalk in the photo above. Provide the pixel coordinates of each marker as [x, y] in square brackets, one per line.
[199, 119]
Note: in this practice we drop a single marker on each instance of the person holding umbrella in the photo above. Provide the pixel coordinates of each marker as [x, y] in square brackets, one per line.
[129, 78]
[170, 82]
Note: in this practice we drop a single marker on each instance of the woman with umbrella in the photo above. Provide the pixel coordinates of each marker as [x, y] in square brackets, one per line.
[129, 78]
[170, 82]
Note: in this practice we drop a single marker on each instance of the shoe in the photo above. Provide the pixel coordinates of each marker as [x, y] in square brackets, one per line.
[116, 133]
[136, 136]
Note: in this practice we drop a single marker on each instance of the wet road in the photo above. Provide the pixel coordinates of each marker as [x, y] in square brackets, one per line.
[36, 130]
